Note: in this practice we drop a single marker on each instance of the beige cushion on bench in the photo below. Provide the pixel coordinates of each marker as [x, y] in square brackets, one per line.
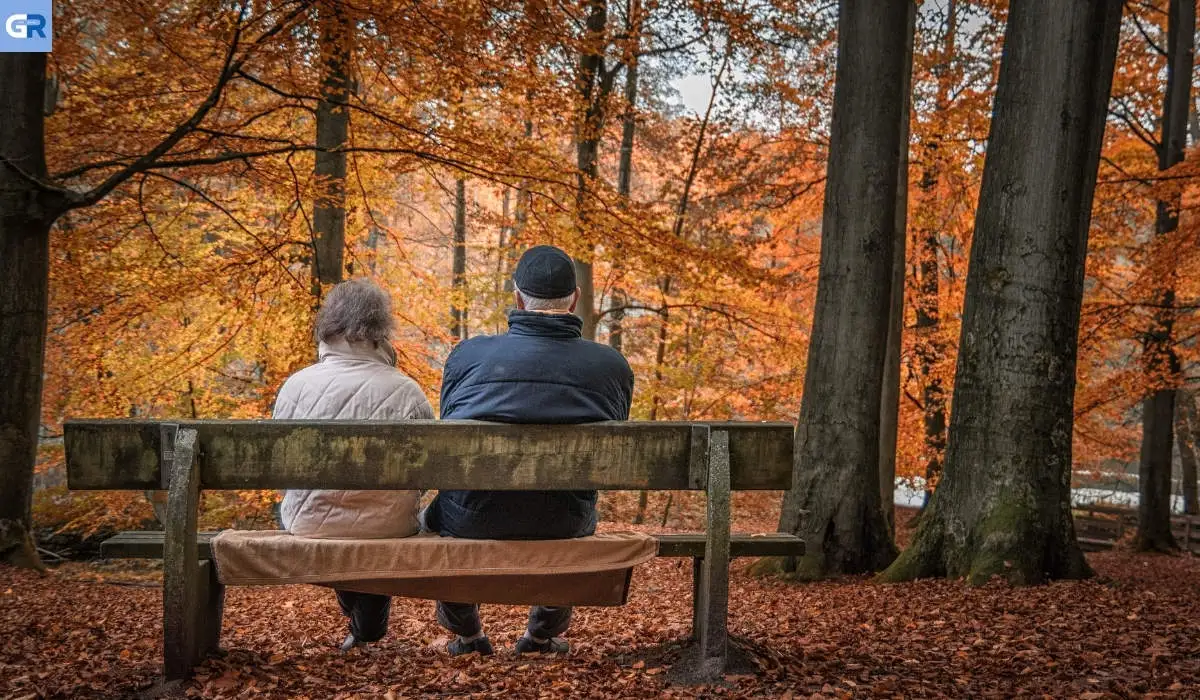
[585, 571]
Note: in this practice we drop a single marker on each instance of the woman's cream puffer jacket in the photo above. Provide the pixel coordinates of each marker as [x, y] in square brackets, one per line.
[351, 381]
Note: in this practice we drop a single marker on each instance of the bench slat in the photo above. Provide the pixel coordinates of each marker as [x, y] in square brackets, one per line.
[655, 455]
[149, 545]
[692, 545]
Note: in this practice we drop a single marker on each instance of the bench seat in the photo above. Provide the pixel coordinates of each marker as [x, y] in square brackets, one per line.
[148, 544]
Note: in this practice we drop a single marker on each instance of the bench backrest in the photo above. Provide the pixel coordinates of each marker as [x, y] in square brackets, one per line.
[269, 454]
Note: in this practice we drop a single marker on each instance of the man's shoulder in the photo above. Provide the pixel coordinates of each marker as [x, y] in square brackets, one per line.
[607, 354]
[472, 348]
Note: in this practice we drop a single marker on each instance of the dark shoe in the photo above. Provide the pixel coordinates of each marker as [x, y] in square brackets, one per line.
[481, 646]
[554, 645]
[350, 643]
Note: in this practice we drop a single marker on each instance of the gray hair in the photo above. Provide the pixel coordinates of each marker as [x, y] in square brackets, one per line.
[356, 310]
[536, 304]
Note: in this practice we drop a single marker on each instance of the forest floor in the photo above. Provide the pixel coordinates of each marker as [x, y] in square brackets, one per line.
[92, 629]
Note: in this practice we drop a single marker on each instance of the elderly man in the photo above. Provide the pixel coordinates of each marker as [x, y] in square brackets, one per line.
[541, 371]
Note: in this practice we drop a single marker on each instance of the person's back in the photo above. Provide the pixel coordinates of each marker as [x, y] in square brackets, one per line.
[541, 371]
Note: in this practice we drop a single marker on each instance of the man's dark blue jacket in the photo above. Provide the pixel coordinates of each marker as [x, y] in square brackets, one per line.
[541, 371]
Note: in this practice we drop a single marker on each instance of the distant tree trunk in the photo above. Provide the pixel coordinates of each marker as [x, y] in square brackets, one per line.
[25, 221]
[834, 505]
[503, 252]
[1185, 436]
[520, 219]
[1003, 505]
[1160, 361]
[929, 348]
[333, 125]
[595, 85]
[889, 406]
[458, 304]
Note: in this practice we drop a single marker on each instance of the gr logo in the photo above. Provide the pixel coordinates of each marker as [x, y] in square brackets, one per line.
[26, 26]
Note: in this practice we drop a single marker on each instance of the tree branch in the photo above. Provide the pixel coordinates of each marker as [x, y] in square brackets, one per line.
[230, 66]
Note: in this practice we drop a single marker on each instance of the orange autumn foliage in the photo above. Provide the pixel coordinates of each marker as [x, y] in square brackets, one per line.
[187, 292]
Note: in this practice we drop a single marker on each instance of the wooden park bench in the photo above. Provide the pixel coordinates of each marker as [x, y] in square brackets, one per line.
[1099, 527]
[185, 457]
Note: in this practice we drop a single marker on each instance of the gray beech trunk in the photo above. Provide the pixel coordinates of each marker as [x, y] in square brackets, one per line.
[1002, 507]
[1185, 436]
[889, 406]
[458, 307]
[1160, 362]
[25, 220]
[834, 504]
[333, 125]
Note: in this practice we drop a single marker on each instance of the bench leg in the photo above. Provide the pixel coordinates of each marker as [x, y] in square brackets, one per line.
[209, 611]
[192, 598]
[192, 624]
[711, 579]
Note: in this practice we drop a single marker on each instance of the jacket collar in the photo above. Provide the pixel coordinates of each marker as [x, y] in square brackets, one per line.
[544, 325]
[358, 351]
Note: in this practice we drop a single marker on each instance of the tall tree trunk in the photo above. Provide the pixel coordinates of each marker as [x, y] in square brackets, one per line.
[1003, 505]
[333, 125]
[458, 304]
[836, 485]
[25, 220]
[1160, 362]
[616, 321]
[616, 333]
[1185, 436]
[594, 84]
[889, 406]
[929, 348]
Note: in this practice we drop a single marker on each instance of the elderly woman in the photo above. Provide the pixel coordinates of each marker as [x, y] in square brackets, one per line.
[354, 379]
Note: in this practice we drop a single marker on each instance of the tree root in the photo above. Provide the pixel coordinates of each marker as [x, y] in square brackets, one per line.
[17, 547]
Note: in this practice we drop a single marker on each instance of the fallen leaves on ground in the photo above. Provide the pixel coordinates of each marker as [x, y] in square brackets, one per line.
[1134, 631]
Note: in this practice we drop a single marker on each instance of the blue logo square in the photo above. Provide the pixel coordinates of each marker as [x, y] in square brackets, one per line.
[26, 26]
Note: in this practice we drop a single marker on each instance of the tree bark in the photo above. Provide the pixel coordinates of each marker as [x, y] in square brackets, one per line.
[837, 443]
[333, 125]
[616, 332]
[889, 406]
[458, 304]
[25, 221]
[1185, 436]
[1160, 361]
[1003, 505]
[595, 84]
